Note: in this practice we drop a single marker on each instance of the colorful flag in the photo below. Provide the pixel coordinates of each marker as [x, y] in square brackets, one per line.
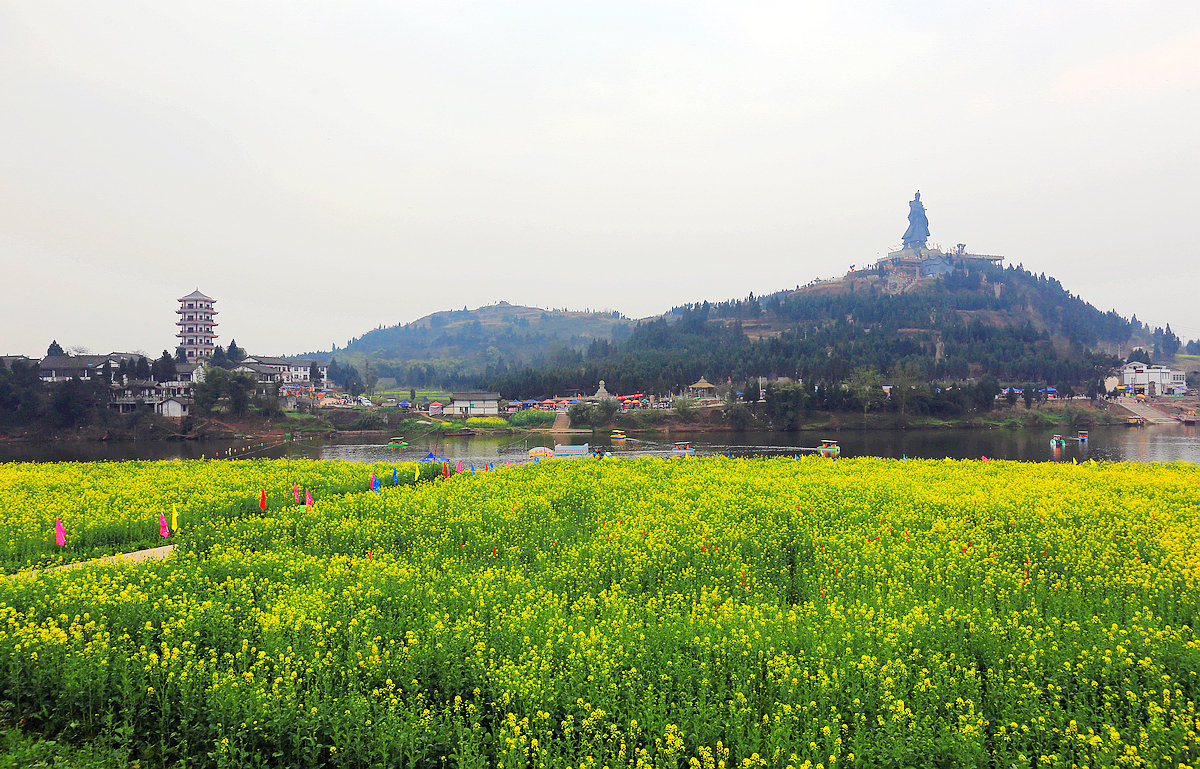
[371, 485]
[60, 534]
[445, 469]
[308, 500]
[174, 518]
[163, 531]
[262, 500]
[472, 468]
[296, 492]
[417, 473]
[377, 484]
[393, 476]
[459, 469]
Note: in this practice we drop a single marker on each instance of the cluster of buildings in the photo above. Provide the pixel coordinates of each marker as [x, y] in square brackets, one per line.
[1145, 379]
[172, 398]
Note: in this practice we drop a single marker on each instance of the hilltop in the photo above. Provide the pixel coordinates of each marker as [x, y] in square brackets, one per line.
[453, 346]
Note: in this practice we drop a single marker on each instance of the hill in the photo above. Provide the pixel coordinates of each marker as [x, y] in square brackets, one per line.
[978, 320]
[455, 347]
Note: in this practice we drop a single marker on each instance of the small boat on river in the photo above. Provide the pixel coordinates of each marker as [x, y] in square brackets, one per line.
[829, 448]
[397, 443]
[682, 449]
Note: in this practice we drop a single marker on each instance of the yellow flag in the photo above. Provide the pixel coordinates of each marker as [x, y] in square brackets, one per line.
[417, 473]
[174, 518]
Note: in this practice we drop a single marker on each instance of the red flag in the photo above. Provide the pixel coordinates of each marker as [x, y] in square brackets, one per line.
[262, 500]
[445, 469]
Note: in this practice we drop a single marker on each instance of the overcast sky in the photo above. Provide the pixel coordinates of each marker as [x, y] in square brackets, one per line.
[324, 168]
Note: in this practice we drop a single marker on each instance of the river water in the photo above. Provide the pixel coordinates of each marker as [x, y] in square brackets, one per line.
[1152, 443]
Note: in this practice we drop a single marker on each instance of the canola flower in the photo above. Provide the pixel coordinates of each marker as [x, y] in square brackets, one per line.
[648, 613]
[114, 506]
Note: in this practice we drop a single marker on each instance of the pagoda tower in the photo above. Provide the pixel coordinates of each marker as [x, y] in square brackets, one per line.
[196, 325]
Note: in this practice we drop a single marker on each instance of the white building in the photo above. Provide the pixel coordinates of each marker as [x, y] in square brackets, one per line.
[474, 404]
[1152, 379]
[300, 370]
[290, 371]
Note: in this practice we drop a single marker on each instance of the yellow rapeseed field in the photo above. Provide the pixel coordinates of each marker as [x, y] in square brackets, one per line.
[115, 506]
[636, 613]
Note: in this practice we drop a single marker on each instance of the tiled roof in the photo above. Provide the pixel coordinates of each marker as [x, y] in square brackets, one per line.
[197, 295]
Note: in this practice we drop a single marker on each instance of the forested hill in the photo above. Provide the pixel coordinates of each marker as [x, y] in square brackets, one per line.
[978, 320]
[456, 347]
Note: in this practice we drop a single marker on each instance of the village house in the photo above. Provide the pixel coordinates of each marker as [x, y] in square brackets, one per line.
[299, 371]
[266, 373]
[1148, 379]
[474, 404]
[59, 368]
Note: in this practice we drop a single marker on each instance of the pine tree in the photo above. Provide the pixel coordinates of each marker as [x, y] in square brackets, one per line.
[55, 349]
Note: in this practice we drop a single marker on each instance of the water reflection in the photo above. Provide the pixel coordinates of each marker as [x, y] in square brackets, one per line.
[1163, 443]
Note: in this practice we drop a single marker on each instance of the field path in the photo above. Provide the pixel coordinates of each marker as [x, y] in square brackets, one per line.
[137, 556]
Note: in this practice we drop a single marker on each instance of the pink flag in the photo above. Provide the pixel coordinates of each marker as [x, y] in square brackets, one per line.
[372, 484]
[163, 531]
[459, 468]
[308, 500]
[296, 492]
[60, 534]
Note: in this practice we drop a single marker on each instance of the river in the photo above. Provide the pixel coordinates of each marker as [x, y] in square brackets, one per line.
[1156, 443]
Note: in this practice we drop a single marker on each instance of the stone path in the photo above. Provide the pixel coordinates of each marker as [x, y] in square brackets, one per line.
[1146, 411]
[138, 556]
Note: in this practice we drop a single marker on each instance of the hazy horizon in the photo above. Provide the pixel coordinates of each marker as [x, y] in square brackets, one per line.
[324, 170]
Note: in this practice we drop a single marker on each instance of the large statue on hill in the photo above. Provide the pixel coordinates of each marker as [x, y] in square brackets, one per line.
[918, 224]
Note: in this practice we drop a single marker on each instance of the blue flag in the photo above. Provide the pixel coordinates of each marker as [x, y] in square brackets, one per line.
[393, 476]
[377, 484]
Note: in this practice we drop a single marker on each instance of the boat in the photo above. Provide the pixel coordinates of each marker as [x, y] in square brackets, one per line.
[1135, 422]
[1083, 436]
[458, 434]
[540, 452]
[618, 435]
[397, 443]
[829, 448]
[563, 450]
[682, 449]
[1057, 441]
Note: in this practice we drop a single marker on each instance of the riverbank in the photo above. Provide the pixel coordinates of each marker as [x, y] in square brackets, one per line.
[1064, 415]
[1074, 414]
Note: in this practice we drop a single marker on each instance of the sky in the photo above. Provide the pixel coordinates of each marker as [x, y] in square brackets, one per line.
[322, 168]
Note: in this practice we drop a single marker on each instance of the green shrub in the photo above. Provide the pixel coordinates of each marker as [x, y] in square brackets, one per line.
[532, 418]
